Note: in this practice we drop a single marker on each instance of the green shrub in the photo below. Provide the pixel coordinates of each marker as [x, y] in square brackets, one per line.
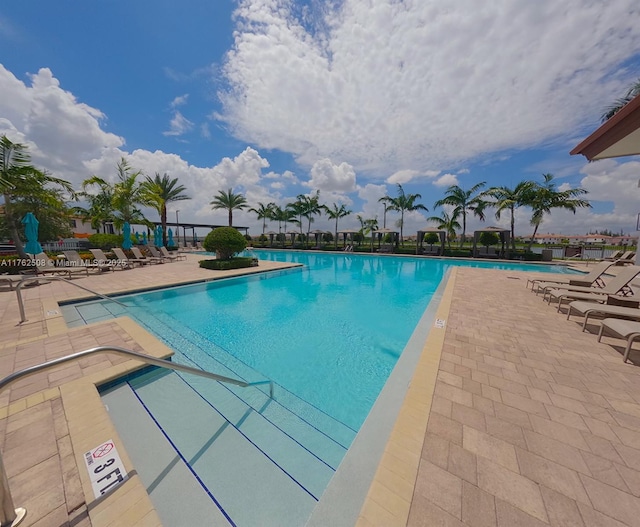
[224, 265]
[488, 238]
[263, 238]
[458, 253]
[106, 242]
[13, 264]
[431, 238]
[225, 242]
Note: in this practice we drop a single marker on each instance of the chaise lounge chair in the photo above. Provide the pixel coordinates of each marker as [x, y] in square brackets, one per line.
[177, 256]
[613, 257]
[589, 309]
[131, 261]
[625, 329]
[593, 278]
[101, 259]
[616, 285]
[156, 253]
[154, 259]
[45, 266]
[626, 259]
[73, 257]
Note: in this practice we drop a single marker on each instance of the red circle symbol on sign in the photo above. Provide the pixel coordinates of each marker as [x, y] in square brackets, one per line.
[103, 450]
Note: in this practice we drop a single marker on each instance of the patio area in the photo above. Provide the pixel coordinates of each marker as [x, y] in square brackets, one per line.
[514, 417]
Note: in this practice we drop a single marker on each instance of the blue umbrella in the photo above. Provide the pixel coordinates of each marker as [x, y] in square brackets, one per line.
[126, 234]
[31, 232]
[170, 242]
[137, 237]
[158, 237]
[144, 238]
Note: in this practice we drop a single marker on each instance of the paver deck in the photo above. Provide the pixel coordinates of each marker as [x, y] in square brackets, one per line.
[527, 420]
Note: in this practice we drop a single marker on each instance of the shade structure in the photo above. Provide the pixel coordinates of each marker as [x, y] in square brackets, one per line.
[170, 242]
[31, 232]
[126, 235]
[157, 237]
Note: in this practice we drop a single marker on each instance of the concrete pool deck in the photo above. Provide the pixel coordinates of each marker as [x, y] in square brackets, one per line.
[514, 416]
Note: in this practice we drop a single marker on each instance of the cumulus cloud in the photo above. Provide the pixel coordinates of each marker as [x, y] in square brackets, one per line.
[446, 180]
[329, 177]
[391, 85]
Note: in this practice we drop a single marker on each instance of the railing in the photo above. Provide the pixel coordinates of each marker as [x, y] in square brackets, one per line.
[23, 317]
[9, 515]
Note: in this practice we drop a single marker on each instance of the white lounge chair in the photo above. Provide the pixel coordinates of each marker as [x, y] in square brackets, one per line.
[120, 255]
[175, 256]
[590, 309]
[73, 257]
[625, 329]
[45, 266]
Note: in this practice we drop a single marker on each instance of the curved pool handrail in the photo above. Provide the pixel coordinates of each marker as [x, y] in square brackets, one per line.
[12, 516]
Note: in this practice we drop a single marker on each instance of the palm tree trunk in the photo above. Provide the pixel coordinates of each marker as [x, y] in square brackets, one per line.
[163, 220]
[464, 229]
[230, 217]
[533, 236]
[513, 230]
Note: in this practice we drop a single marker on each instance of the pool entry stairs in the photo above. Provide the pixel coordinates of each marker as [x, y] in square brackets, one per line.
[211, 453]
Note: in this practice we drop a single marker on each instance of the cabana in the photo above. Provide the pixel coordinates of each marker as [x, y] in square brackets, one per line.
[420, 240]
[504, 235]
[318, 234]
[271, 235]
[293, 235]
[347, 233]
[386, 247]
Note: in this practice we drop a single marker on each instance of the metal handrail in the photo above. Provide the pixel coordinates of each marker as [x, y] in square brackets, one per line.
[23, 317]
[10, 516]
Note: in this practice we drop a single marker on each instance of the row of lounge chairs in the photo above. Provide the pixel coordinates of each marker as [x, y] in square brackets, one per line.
[593, 295]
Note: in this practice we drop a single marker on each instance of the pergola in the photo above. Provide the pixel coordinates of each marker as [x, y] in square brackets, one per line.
[420, 239]
[271, 235]
[192, 227]
[503, 234]
[347, 233]
[380, 232]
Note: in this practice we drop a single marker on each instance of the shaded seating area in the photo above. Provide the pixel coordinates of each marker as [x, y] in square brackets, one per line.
[438, 250]
[503, 236]
[389, 246]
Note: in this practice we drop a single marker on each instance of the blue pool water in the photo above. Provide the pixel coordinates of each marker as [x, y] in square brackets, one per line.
[330, 332]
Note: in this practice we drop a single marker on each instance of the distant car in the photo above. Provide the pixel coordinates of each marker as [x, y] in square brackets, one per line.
[7, 248]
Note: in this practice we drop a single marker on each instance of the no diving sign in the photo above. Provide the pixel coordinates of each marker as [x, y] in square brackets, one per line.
[106, 470]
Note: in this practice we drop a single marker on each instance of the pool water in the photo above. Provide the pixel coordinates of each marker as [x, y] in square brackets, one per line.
[330, 332]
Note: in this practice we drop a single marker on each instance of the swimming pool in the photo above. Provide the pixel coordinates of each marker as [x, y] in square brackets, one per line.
[328, 334]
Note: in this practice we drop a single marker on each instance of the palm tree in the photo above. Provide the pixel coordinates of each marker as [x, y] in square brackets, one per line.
[230, 202]
[336, 213]
[546, 196]
[264, 213]
[613, 109]
[368, 226]
[464, 201]
[160, 190]
[401, 203]
[100, 211]
[385, 201]
[448, 223]
[306, 207]
[19, 178]
[511, 199]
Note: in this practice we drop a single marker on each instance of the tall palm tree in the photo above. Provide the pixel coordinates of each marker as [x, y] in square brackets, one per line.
[158, 192]
[404, 203]
[447, 222]
[464, 201]
[230, 202]
[511, 199]
[264, 213]
[546, 197]
[618, 104]
[335, 213]
[18, 177]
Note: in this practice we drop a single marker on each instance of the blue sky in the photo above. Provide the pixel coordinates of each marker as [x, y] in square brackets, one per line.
[277, 98]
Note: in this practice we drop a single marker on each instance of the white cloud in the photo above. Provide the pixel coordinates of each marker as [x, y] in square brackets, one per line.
[446, 180]
[391, 84]
[403, 176]
[179, 125]
[180, 100]
[328, 177]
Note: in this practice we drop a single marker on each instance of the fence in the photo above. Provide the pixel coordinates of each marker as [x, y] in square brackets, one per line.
[581, 252]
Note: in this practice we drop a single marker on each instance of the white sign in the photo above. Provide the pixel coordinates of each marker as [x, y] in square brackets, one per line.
[439, 323]
[106, 470]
